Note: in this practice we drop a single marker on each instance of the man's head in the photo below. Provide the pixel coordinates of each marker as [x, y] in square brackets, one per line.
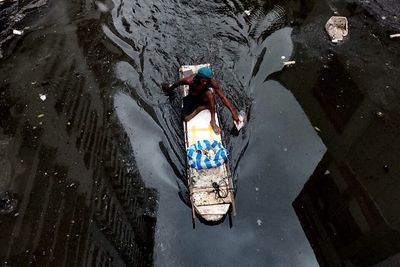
[205, 72]
[204, 75]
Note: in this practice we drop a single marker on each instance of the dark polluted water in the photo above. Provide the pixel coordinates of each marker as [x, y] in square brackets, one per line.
[92, 161]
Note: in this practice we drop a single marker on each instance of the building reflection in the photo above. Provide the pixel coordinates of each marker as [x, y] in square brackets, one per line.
[349, 208]
[342, 220]
[82, 201]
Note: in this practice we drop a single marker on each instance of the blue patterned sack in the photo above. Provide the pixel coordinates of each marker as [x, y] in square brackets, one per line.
[199, 160]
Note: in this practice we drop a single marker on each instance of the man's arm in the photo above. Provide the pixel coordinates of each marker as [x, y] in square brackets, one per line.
[167, 87]
[225, 100]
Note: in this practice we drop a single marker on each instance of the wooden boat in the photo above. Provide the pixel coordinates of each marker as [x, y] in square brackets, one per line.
[211, 190]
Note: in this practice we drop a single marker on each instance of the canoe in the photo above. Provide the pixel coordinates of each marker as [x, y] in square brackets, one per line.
[211, 190]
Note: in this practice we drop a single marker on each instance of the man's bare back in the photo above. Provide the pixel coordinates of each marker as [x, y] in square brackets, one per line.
[200, 97]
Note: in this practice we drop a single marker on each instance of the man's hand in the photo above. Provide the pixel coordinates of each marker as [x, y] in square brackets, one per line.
[166, 87]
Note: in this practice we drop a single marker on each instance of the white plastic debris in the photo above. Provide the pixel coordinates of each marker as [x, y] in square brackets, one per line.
[337, 28]
[40, 115]
[397, 35]
[102, 7]
[259, 222]
[283, 57]
[42, 97]
[289, 63]
[17, 32]
[242, 120]
[247, 12]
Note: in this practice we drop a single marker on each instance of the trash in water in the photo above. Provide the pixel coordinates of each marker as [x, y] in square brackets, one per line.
[242, 120]
[247, 12]
[283, 57]
[396, 35]
[42, 97]
[289, 63]
[337, 28]
[259, 222]
[40, 115]
[17, 32]
[317, 129]
[7, 203]
[386, 168]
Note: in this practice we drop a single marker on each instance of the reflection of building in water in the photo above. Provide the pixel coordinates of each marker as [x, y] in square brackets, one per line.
[81, 199]
[343, 221]
[349, 208]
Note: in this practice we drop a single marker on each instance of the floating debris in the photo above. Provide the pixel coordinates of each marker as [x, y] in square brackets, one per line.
[42, 97]
[102, 7]
[396, 35]
[247, 12]
[386, 168]
[17, 32]
[317, 129]
[283, 57]
[289, 63]
[259, 222]
[242, 120]
[8, 203]
[337, 28]
[380, 114]
[40, 115]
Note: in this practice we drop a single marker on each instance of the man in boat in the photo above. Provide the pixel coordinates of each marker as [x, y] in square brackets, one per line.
[200, 96]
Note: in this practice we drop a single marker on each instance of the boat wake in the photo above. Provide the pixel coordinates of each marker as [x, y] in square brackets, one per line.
[145, 137]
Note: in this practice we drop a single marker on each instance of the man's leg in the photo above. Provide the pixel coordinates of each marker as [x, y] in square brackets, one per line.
[211, 106]
[194, 113]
